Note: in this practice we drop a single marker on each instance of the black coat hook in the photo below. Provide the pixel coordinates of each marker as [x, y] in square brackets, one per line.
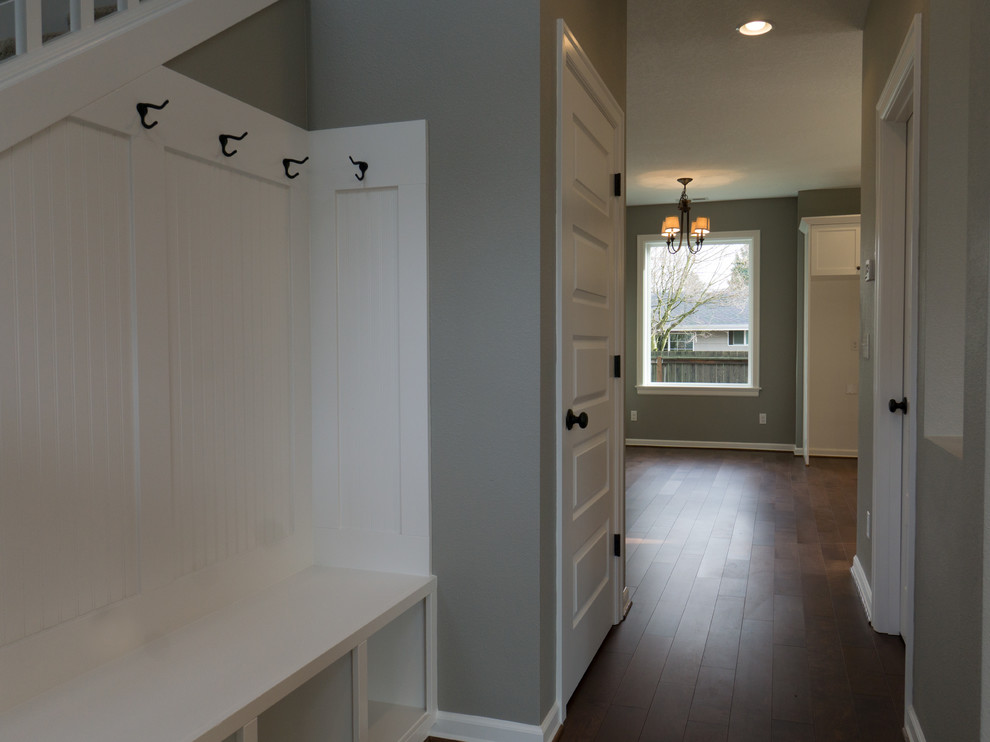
[142, 109]
[287, 161]
[224, 138]
[362, 166]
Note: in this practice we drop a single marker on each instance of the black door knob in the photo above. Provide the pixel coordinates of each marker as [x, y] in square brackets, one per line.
[581, 420]
[894, 406]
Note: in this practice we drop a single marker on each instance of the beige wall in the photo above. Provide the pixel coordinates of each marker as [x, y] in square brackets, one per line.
[818, 202]
[833, 365]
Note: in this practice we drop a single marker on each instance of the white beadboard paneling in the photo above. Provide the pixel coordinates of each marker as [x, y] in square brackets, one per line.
[229, 326]
[68, 502]
[85, 315]
[368, 336]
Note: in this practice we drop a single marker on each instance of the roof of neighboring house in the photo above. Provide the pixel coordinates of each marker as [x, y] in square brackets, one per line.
[717, 317]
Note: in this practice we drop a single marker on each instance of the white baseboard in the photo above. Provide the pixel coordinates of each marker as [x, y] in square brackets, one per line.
[912, 727]
[785, 447]
[421, 731]
[835, 453]
[863, 585]
[483, 729]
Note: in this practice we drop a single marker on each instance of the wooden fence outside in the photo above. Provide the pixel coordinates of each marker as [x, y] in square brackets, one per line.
[703, 368]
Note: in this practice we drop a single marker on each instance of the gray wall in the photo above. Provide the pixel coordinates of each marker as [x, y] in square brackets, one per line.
[954, 277]
[723, 418]
[471, 70]
[979, 248]
[820, 202]
[953, 219]
[262, 61]
[478, 73]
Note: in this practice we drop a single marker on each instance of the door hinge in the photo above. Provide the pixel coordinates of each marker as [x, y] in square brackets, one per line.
[617, 367]
[617, 544]
[617, 184]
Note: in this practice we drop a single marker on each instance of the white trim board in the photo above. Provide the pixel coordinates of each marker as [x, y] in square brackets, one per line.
[483, 729]
[912, 727]
[782, 447]
[863, 587]
[900, 100]
[835, 453]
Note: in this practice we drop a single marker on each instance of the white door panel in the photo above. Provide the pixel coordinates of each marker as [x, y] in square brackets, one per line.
[590, 269]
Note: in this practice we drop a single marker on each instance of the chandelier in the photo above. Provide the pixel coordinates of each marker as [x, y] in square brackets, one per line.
[678, 225]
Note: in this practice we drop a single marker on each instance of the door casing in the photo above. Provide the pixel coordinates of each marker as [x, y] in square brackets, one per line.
[894, 466]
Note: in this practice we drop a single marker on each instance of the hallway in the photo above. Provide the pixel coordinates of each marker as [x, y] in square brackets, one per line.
[745, 623]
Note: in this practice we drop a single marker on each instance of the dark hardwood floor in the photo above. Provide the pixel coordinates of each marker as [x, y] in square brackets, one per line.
[745, 623]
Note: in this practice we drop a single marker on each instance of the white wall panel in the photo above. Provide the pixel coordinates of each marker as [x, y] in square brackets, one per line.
[370, 348]
[230, 330]
[68, 500]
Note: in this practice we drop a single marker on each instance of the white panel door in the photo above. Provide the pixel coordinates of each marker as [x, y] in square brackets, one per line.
[591, 398]
[370, 347]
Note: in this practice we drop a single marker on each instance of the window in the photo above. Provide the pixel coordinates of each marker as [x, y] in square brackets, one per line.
[680, 341]
[698, 317]
[738, 337]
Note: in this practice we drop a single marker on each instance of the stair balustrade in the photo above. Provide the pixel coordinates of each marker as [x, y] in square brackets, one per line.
[27, 25]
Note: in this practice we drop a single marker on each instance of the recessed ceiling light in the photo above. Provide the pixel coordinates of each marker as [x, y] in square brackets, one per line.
[755, 28]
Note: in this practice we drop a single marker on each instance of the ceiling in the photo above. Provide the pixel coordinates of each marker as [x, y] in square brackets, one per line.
[746, 117]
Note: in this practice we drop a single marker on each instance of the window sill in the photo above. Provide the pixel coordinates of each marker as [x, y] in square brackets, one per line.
[707, 390]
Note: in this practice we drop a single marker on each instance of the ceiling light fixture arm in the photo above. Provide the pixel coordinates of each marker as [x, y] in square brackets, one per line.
[684, 225]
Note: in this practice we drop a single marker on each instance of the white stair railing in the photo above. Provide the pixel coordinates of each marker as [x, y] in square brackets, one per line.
[27, 24]
[41, 83]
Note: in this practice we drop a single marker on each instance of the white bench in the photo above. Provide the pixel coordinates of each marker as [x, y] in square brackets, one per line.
[213, 678]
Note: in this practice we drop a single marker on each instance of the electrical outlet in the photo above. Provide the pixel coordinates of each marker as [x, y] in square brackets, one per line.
[763, 418]
[633, 415]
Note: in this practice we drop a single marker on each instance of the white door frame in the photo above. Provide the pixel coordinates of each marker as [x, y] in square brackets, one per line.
[570, 52]
[897, 259]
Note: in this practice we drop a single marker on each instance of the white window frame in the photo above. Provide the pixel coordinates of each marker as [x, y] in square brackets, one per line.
[743, 344]
[693, 339]
[643, 383]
